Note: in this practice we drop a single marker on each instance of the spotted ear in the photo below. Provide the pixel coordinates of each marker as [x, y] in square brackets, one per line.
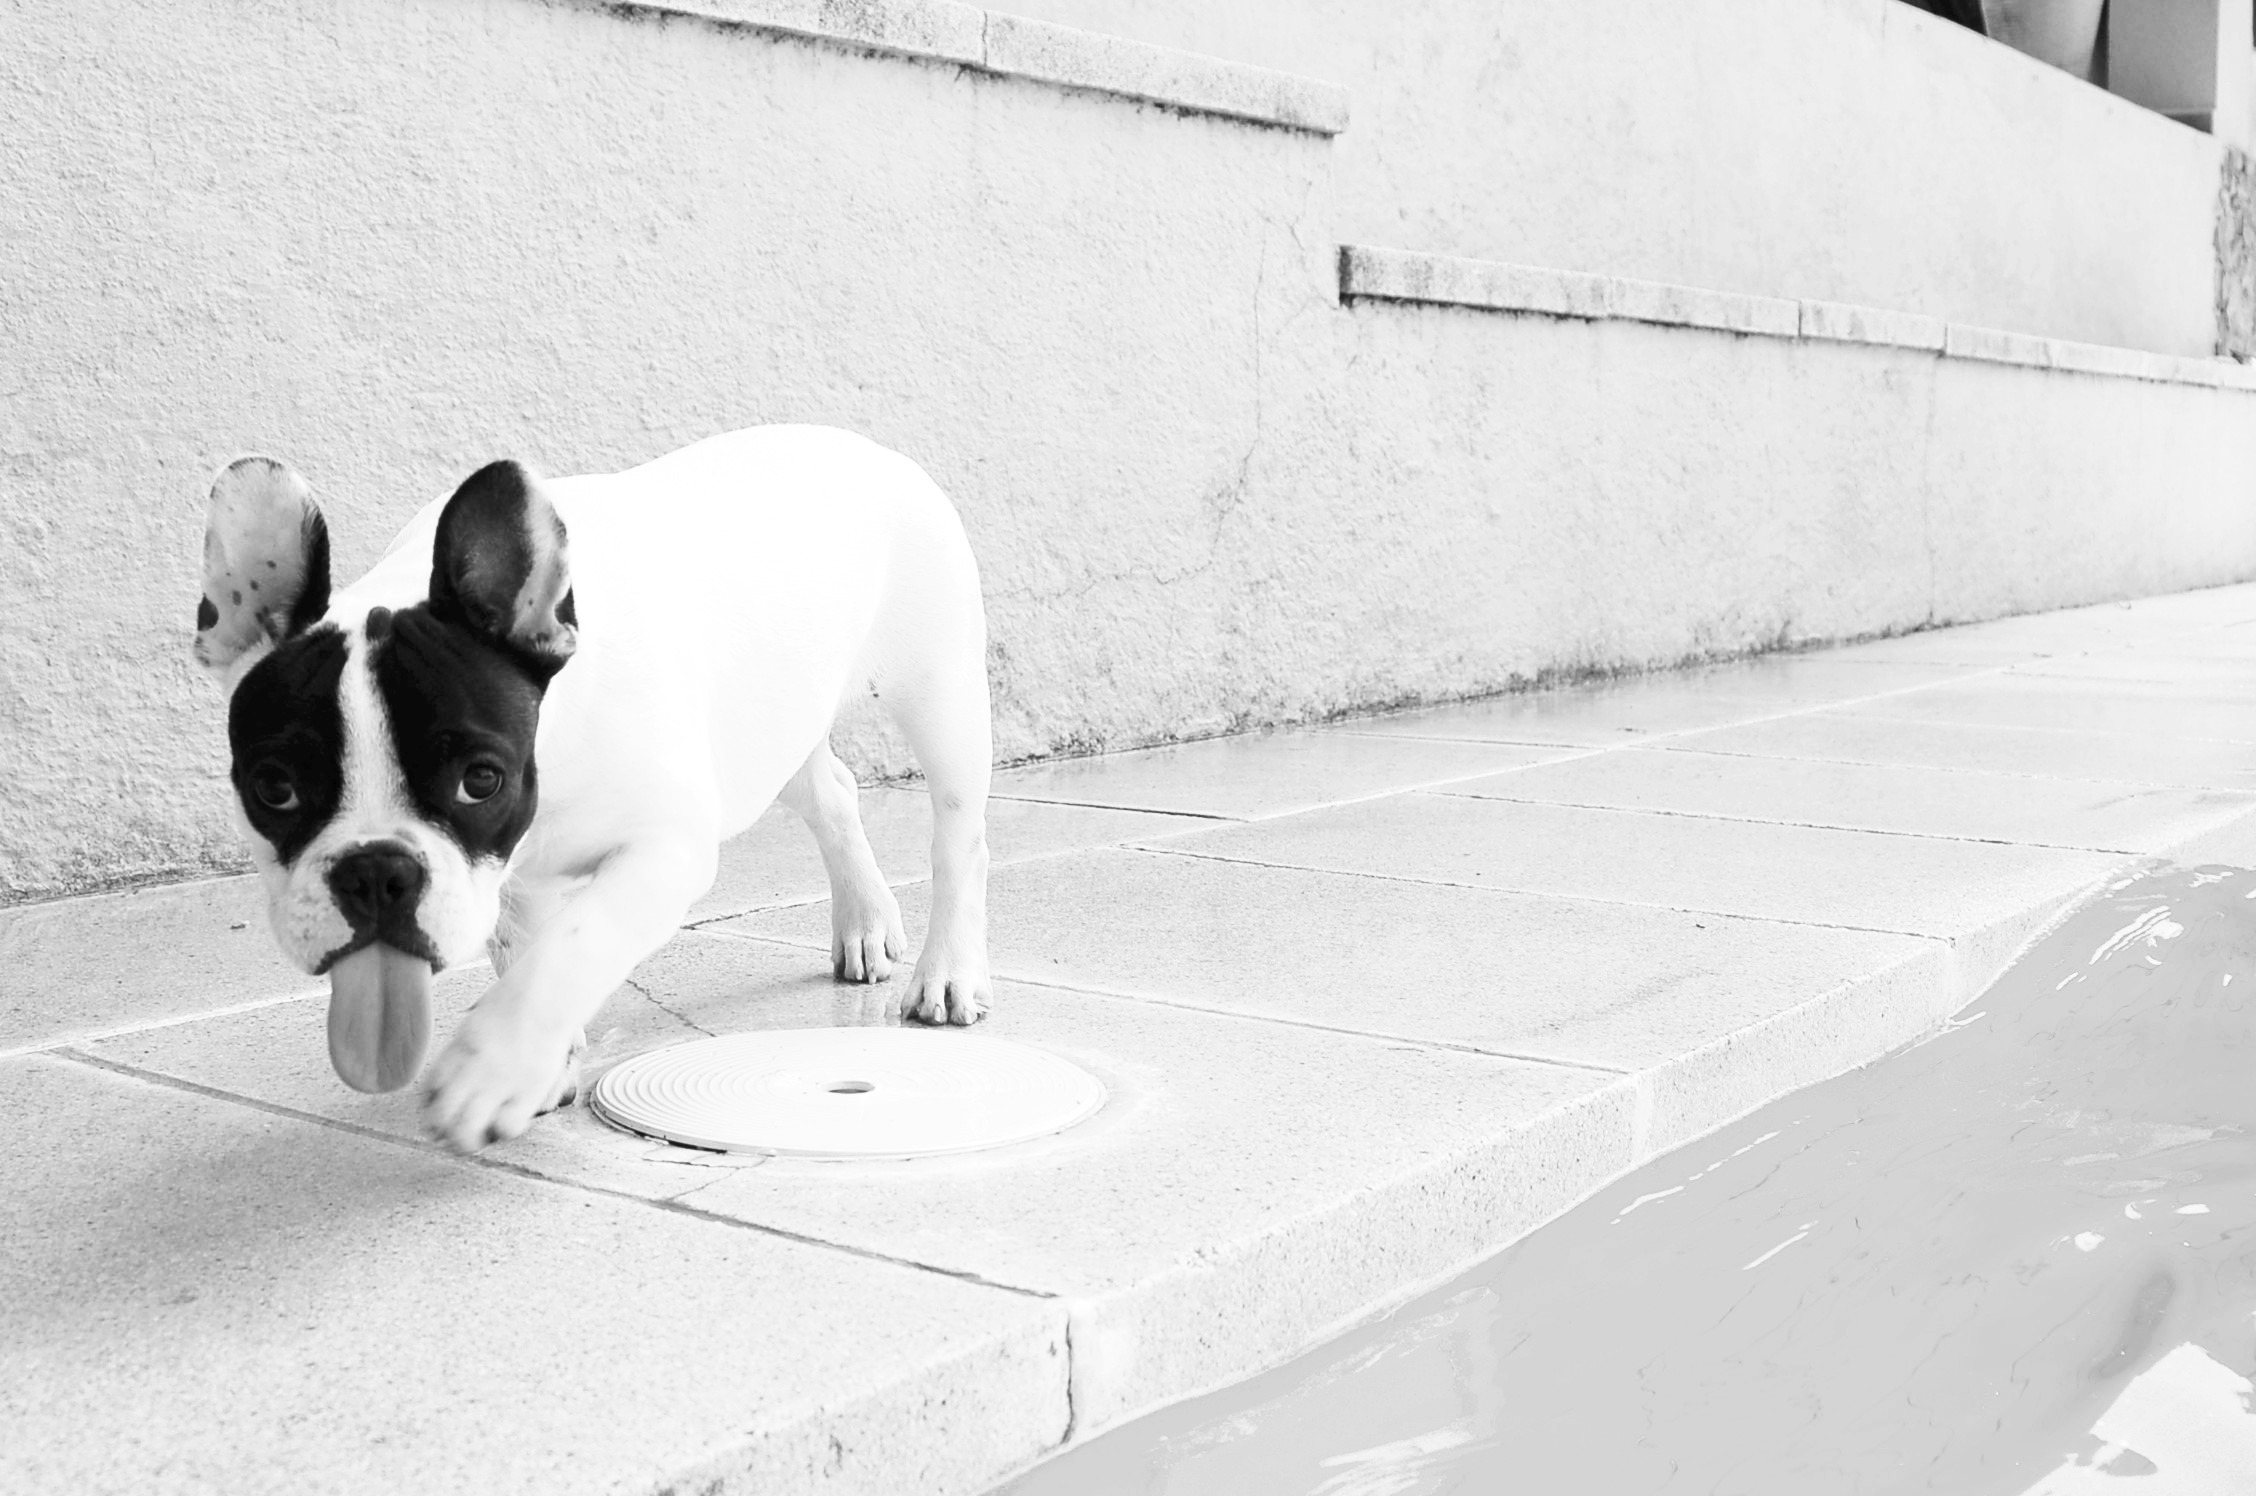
[499, 565]
[266, 561]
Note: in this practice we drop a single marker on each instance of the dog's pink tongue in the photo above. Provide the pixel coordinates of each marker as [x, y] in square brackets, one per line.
[379, 1017]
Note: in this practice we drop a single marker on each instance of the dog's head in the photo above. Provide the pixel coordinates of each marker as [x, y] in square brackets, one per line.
[383, 759]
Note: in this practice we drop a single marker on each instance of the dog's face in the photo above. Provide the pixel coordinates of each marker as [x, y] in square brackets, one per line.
[383, 760]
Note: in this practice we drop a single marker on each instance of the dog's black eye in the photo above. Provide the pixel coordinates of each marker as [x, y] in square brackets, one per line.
[273, 788]
[480, 783]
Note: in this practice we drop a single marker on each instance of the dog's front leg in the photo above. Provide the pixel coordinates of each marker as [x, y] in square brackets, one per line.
[507, 1059]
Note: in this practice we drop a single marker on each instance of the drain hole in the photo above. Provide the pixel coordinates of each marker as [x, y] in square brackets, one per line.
[851, 1088]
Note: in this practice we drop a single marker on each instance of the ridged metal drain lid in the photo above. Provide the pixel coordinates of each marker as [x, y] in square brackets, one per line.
[847, 1093]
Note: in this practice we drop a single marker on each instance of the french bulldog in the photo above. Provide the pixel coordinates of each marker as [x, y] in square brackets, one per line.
[530, 726]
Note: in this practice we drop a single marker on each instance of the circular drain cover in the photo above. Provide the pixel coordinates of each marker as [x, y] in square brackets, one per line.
[847, 1093]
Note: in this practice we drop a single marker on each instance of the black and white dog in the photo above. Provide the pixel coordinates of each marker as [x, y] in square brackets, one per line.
[486, 742]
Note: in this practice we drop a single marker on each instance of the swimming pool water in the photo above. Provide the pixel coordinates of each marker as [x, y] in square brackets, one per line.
[2015, 1258]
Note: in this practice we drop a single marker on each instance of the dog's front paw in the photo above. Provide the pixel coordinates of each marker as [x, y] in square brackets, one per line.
[948, 990]
[490, 1082]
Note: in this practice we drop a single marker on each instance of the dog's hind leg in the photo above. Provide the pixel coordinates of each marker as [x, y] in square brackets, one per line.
[936, 691]
[865, 920]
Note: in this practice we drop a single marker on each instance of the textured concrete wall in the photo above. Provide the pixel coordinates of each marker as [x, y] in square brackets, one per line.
[392, 239]
[1555, 493]
[1849, 150]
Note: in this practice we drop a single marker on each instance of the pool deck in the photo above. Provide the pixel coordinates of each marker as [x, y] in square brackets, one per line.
[1371, 1000]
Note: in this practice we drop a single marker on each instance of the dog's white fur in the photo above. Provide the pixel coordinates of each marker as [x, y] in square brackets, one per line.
[730, 596]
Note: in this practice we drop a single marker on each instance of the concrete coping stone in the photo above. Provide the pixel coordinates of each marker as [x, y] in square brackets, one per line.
[1038, 51]
[1991, 345]
[1375, 274]
[1694, 306]
[1844, 322]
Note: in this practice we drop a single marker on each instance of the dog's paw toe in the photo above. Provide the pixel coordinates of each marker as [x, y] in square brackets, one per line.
[861, 957]
[568, 1084]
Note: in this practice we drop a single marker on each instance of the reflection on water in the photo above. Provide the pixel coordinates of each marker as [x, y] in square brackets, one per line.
[2013, 1259]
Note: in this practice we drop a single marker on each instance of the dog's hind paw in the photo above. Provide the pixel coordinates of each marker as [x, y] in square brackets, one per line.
[947, 992]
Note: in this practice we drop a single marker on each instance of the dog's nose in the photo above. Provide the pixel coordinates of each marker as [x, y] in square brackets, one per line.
[374, 881]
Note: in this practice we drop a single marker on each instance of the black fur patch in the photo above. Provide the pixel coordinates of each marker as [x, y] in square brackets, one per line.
[206, 614]
[459, 702]
[481, 555]
[307, 608]
[285, 723]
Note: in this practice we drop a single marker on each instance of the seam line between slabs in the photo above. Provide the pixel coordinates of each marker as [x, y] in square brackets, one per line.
[126, 1031]
[1742, 820]
[201, 1015]
[1121, 994]
[669, 1204]
[2248, 783]
[2046, 727]
[695, 921]
[1581, 750]
[1578, 751]
[1146, 810]
[1546, 893]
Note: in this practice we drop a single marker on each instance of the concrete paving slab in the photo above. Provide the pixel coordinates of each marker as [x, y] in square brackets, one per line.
[84, 966]
[1952, 890]
[2172, 620]
[1709, 1012]
[278, 1056]
[2205, 607]
[201, 1296]
[1613, 712]
[2196, 671]
[1257, 774]
[1247, 1187]
[776, 863]
[2235, 643]
[1560, 979]
[1963, 803]
[2109, 758]
[1968, 646]
[1203, 1155]
[2222, 712]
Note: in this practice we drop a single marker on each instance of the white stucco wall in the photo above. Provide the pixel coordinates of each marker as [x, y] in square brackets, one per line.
[1850, 150]
[1558, 493]
[393, 239]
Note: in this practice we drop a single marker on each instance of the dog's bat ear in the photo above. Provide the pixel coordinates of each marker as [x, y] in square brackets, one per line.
[499, 565]
[266, 561]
